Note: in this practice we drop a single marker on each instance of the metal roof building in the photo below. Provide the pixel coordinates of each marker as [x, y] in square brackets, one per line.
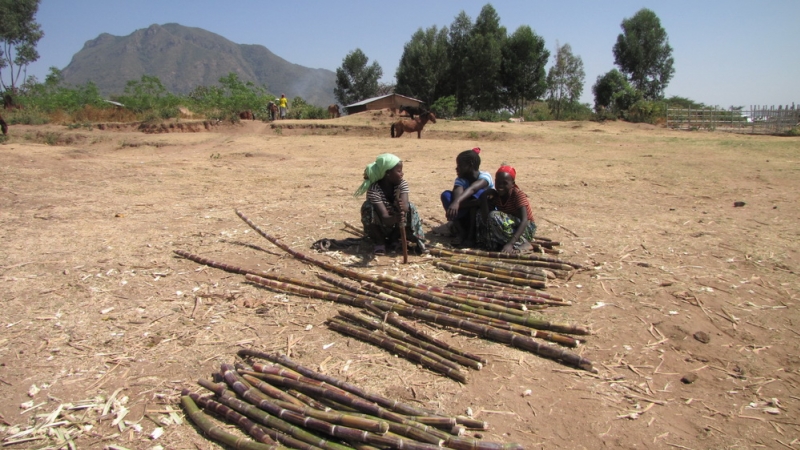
[390, 101]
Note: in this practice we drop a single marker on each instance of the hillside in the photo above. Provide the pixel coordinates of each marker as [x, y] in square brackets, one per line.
[185, 57]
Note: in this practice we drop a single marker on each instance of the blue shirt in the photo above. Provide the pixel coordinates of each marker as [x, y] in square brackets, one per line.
[481, 176]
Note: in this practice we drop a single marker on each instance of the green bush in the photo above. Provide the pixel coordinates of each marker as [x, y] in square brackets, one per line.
[27, 116]
[537, 112]
[444, 107]
[645, 111]
[302, 110]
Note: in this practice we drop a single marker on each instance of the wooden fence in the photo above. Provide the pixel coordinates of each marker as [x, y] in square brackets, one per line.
[756, 120]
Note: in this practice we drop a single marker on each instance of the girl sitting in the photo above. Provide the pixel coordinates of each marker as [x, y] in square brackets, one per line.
[387, 205]
[461, 204]
[505, 222]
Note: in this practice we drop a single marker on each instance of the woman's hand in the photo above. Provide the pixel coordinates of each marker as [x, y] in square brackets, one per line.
[452, 211]
[509, 248]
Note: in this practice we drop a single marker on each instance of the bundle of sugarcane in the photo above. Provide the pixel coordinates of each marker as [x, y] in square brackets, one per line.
[463, 316]
[490, 315]
[285, 405]
[523, 258]
[390, 337]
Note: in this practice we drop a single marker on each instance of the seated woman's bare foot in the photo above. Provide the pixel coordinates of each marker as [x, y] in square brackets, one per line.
[466, 243]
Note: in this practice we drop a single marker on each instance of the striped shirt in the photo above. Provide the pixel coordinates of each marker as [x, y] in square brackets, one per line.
[375, 194]
[516, 200]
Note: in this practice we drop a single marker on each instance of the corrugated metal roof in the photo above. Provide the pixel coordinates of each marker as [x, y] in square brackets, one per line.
[370, 100]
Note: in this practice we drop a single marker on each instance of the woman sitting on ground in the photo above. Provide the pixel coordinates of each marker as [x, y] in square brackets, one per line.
[505, 222]
[461, 204]
[387, 206]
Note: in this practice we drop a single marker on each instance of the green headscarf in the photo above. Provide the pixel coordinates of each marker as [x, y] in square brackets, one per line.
[375, 171]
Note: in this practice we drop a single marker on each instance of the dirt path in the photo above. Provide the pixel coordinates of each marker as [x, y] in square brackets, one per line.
[95, 300]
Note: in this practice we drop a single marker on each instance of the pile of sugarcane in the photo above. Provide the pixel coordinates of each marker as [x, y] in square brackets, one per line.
[284, 404]
[502, 315]
[526, 270]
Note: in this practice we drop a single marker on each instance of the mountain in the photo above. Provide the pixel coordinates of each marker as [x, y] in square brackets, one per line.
[185, 57]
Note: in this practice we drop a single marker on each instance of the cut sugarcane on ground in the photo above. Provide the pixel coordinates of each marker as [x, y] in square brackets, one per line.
[109, 324]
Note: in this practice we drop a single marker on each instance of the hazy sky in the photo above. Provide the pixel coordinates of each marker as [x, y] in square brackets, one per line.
[727, 52]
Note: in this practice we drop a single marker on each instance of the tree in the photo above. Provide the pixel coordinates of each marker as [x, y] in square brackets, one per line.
[144, 94]
[356, 81]
[485, 57]
[522, 73]
[643, 53]
[19, 34]
[423, 66]
[564, 80]
[458, 55]
[606, 86]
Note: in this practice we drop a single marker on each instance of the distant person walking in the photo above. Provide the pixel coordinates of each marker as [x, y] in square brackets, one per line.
[284, 103]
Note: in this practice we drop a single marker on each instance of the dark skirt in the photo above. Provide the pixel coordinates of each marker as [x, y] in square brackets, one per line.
[370, 216]
[495, 231]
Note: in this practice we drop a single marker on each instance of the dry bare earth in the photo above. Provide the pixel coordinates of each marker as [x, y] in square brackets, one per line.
[94, 299]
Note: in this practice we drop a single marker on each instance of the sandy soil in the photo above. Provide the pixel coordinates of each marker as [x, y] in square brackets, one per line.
[96, 303]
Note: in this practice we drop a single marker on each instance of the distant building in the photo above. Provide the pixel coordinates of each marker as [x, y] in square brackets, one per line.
[391, 101]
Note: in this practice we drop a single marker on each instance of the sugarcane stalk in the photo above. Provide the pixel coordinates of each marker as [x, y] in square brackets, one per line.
[385, 402]
[531, 300]
[402, 225]
[299, 290]
[404, 241]
[354, 229]
[412, 353]
[468, 286]
[254, 412]
[541, 261]
[274, 392]
[436, 294]
[507, 337]
[352, 401]
[395, 320]
[490, 268]
[501, 255]
[335, 417]
[486, 286]
[494, 322]
[513, 318]
[253, 429]
[491, 276]
[312, 402]
[333, 268]
[345, 285]
[461, 313]
[481, 261]
[562, 339]
[225, 396]
[503, 286]
[435, 420]
[479, 301]
[402, 336]
[351, 416]
[239, 270]
[242, 388]
[519, 329]
[216, 432]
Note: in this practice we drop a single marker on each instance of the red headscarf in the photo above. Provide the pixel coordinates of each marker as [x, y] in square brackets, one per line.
[477, 150]
[509, 170]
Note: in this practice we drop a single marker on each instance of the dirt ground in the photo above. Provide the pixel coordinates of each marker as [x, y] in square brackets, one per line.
[98, 311]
